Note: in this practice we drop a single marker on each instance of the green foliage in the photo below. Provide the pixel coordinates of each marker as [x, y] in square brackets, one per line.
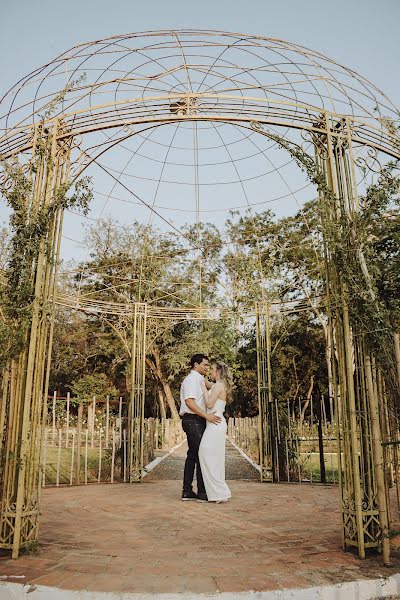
[216, 339]
[30, 548]
[298, 352]
[251, 262]
[364, 251]
[32, 216]
[136, 262]
[245, 397]
[93, 384]
[29, 231]
[284, 257]
[298, 344]
[58, 99]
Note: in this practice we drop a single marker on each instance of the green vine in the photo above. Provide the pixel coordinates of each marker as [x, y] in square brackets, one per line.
[30, 228]
[353, 242]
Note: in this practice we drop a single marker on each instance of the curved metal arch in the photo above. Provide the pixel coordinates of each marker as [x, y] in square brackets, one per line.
[173, 108]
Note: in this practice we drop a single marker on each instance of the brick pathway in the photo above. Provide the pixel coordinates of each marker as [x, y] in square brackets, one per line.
[142, 538]
[237, 468]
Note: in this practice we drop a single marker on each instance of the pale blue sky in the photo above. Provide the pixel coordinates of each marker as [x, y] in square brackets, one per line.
[361, 34]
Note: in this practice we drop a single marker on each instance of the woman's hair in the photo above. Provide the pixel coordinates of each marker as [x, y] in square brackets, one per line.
[225, 376]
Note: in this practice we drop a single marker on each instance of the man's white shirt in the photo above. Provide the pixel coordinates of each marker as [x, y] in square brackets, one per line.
[191, 388]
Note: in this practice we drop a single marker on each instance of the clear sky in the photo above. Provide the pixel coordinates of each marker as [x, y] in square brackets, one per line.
[361, 34]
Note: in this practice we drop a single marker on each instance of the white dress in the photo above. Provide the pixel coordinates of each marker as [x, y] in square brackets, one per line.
[212, 456]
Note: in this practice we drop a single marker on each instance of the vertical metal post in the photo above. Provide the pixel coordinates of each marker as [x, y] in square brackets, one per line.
[378, 460]
[137, 398]
[358, 473]
[264, 386]
[25, 386]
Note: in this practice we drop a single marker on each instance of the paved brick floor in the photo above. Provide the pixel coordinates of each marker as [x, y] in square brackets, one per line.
[142, 538]
[235, 466]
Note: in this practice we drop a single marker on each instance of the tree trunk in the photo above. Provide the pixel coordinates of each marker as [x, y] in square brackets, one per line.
[328, 343]
[170, 399]
[154, 364]
[161, 403]
[307, 402]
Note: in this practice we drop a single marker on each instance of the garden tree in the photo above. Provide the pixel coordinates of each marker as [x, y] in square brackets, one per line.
[128, 264]
[93, 384]
[204, 269]
[299, 258]
[249, 263]
[386, 247]
[368, 240]
[353, 258]
[298, 358]
[366, 251]
[289, 252]
[199, 281]
[82, 349]
[297, 363]
[179, 342]
[377, 230]
[284, 257]
[374, 238]
[158, 372]
[217, 339]
[81, 346]
[138, 263]
[299, 373]
[132, 263]
[245, 398]
[69, 342]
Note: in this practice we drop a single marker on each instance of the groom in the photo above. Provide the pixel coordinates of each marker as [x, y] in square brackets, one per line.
[194, 417]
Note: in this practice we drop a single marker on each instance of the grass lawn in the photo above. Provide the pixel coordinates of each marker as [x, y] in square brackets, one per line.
[310, 467]
[65, 465]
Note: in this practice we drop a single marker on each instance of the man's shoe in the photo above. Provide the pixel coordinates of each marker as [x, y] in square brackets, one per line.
[202, 498]
[189, 496]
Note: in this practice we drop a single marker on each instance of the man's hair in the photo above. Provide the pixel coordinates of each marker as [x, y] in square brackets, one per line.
[197, 358]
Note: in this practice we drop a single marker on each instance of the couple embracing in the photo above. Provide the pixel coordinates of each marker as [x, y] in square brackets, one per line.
[202, 411]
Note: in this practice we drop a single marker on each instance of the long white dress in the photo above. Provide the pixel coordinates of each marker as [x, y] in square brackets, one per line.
[212, 456]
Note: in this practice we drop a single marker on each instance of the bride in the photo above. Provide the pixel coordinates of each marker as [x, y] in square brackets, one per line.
[212, 447]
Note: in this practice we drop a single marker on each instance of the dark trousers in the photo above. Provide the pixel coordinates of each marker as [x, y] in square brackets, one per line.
[194, 427]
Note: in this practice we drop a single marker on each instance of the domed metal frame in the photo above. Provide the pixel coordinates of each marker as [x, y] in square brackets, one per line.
[146, 80]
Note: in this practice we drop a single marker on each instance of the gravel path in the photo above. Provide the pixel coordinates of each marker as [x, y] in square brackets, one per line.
[237, 468]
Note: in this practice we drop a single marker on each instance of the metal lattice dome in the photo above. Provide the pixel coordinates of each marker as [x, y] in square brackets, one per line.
[176, 108]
